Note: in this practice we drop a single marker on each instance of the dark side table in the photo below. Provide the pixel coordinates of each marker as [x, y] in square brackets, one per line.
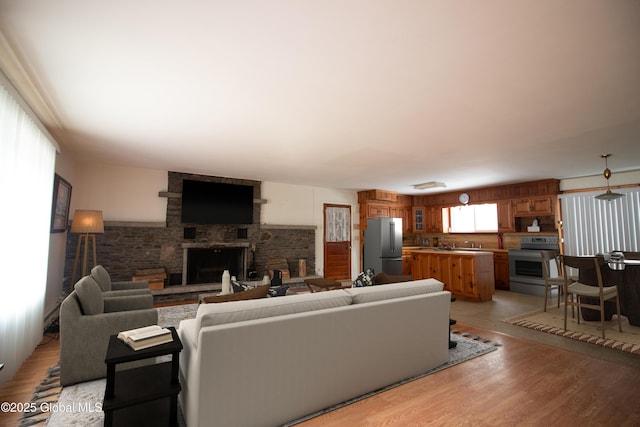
[139, 396]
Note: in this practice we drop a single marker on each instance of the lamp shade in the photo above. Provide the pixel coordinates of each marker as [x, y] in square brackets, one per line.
[87, 222]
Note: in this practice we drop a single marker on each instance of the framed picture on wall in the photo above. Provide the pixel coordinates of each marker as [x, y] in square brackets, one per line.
[61, 202]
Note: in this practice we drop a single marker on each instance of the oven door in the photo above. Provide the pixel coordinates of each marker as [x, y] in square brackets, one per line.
[525, 266]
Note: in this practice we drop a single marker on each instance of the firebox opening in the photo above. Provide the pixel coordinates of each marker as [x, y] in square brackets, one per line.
[206, 265]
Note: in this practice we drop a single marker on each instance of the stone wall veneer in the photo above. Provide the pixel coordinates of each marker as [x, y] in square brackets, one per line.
[127, 247]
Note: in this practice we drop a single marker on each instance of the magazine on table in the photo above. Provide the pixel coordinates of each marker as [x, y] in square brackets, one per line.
[146, 337]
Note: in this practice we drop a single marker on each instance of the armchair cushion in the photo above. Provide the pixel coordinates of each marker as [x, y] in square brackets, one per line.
[89, 296]
[127, 303]
[101, 276]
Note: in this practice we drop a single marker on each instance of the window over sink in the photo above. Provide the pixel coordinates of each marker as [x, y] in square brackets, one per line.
[481, 218]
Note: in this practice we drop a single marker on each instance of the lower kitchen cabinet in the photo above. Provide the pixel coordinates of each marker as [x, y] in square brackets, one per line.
[501, 270]
[468, 275]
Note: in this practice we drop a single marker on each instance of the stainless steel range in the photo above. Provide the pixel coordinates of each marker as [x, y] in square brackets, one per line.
[525, 264]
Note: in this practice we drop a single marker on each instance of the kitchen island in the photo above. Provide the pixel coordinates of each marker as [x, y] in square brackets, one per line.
[466, 274]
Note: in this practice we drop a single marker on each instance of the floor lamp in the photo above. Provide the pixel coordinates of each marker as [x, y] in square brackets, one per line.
[88, 224]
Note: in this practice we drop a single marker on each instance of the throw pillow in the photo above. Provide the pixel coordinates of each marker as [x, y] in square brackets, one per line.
[238, 287]
[277, 291]
[364, 279]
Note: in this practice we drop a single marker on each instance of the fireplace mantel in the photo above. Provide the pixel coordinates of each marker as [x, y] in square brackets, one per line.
[215, 245]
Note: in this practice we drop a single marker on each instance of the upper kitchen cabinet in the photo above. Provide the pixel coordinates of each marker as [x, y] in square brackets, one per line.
[403, 212]
[505, 217]
[378, 211]
[385, 204]
[534, 206]
[377, 195]
[427, 219]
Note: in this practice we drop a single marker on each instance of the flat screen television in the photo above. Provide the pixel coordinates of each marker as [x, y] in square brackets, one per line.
[216, 203]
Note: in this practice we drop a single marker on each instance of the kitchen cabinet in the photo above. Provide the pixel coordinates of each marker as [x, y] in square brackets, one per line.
[418, 219]
[506, 222]
[403, 212]
[381, 195]
[427, 220]
[533, 206]
[465, 274]
[434, 223]
[406, 262]
[501, 270]
[378, 211]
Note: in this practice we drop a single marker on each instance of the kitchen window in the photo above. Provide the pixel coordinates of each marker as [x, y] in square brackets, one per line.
[474, 218]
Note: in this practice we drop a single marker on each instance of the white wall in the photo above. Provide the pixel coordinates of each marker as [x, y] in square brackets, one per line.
[302, 205]
[121, 193]
[65, 167]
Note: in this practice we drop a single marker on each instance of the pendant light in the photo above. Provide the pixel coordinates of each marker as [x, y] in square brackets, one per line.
[608, 195]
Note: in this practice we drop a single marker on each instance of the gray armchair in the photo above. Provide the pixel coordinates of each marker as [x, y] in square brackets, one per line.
[87, 319]
[102, 277]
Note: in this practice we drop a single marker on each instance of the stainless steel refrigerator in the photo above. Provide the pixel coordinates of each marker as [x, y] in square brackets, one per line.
[383, 245]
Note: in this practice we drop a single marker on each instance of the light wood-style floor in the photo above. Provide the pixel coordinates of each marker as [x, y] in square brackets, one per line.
[525, 382]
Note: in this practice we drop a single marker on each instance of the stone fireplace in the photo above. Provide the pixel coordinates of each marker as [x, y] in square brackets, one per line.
[128, 246]
[205, 262]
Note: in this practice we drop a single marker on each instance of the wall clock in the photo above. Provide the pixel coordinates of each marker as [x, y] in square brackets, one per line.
[464, 198]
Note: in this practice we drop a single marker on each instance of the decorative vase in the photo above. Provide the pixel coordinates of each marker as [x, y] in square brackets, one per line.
[226, 283]
[266, 280]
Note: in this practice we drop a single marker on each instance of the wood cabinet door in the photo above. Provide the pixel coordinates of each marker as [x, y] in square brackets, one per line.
[377, 211]
[542, 205]
[404, 213]
[421, 266]
[469, 287]
[434, 220]
[444, 271]
[417, 215]
[505, 217]
[501, 270]
[416, 267]
[455, 277]
[522, 207]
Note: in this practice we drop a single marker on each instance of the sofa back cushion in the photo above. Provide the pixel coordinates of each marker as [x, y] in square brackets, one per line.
[89, 295]
[395, 290]
[101, 276]
[238, 311]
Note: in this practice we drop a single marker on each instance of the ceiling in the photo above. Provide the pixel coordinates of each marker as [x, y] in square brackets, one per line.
[348, 94]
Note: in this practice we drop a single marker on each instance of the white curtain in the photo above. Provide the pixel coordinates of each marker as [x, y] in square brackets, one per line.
[591, 226]
[338, 224]
[27, 162]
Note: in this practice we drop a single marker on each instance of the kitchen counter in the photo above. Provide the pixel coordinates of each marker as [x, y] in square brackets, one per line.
[430, 248]
[467, 274]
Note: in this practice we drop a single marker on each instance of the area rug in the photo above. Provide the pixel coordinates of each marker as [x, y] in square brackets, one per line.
[75, 403]
[552, 322]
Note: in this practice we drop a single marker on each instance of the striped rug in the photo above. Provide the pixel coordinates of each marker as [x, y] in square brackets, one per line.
[552, 322]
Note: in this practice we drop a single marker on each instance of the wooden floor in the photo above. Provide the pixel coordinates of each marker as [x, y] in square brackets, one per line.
[22, 386]
[522, 383]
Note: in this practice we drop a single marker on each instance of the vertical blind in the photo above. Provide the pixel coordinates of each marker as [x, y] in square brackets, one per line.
[27, 162]
[591, 226]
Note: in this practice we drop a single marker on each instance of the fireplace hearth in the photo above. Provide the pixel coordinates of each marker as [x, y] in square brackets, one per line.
[205, 262]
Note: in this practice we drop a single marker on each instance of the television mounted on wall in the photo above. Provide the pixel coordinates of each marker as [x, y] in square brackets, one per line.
[216, 203]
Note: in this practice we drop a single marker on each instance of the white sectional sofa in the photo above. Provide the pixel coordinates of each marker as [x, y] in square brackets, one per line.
[269, 361]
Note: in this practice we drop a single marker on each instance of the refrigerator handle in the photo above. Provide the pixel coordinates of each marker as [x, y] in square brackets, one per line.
[392, 237]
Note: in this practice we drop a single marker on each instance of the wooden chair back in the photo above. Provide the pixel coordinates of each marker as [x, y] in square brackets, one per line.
[547, 257]
[584, 263]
